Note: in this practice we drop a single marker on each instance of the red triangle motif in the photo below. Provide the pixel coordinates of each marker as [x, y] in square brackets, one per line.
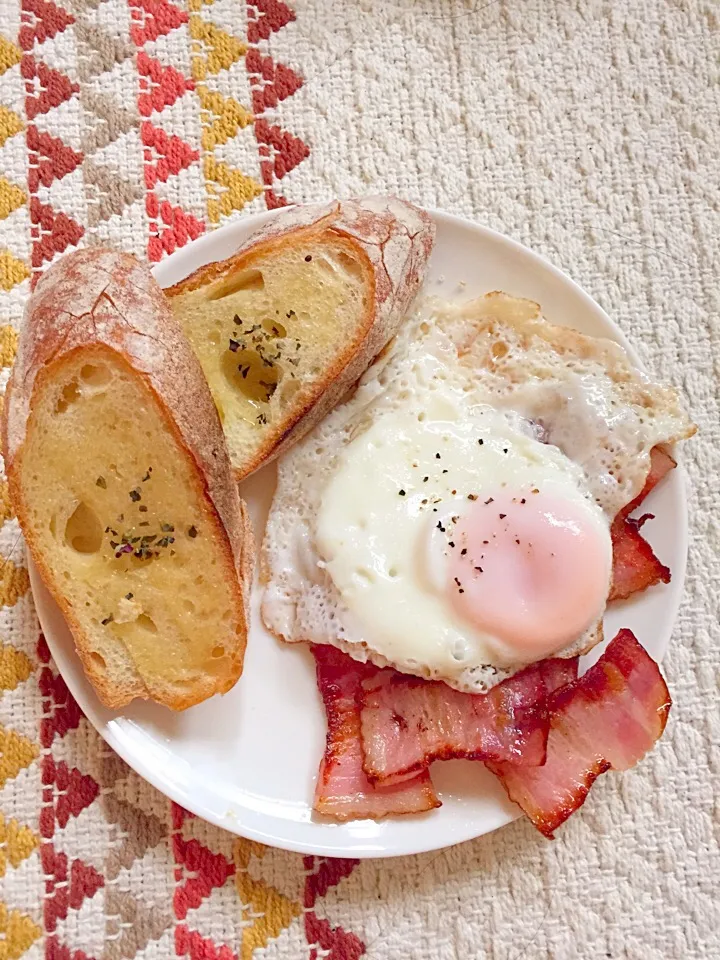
[175, 154]
[271, 82]
[275, 16]
[84, 882]
[179, 228]
[328, 874]
[78, 792]
[212, 870]
[289, 151]
[49, 21]
[64, 713]
[335, 943]
[58, 159]
[189, 943]
[274, 201]
[54, 950]
[167, 85]
[75, 792]
[56, 87]
[160, 18]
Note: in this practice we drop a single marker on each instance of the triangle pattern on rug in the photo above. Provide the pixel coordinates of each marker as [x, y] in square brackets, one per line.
[160, 17]
[211, 870]
[56, 88]
[49, 158]
[49, 21]
[220, 49]
[161, 85]
[173, 154]
[236, 189]
[268, 16]
[65, 891]
[271, 82]
[229, 117]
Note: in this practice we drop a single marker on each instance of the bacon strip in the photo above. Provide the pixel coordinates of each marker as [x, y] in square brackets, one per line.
[406, 722]
[635, 566]
[608, 719]
[343, 792]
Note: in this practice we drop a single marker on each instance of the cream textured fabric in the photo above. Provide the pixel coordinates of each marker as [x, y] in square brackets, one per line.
[586, 129]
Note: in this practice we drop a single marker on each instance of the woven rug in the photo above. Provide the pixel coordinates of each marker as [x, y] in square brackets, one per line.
[587, 129]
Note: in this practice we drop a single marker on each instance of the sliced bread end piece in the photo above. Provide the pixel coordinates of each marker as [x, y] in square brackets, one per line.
[123, 487]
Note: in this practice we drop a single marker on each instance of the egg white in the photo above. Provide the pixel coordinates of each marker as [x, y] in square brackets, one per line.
[377, 528]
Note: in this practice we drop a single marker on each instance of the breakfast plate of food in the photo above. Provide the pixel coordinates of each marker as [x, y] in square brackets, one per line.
[356, 529]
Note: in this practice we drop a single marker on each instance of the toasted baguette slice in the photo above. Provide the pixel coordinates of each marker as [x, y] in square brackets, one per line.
[287, 325]
[121, 481]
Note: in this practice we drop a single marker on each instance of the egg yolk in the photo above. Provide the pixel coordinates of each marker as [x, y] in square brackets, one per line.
[532, 570]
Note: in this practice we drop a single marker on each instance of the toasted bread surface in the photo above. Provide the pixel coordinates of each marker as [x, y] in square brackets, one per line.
[287, 325]
[119, 474]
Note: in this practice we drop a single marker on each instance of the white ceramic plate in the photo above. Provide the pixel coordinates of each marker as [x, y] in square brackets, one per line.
[247, 761]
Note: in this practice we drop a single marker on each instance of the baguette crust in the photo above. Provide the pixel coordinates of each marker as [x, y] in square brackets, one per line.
[107, 301]
[393, 239]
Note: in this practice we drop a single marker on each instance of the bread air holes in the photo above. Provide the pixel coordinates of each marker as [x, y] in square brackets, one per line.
[95, 375]
[98, 661]
[83, 530]
[253, 377]
[69, 394]
[244, 280]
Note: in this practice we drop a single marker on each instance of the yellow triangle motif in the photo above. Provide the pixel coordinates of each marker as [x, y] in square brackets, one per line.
[9, 55]
[12, 270]
[16, 753]
[16, 843]
[221, 49]
[229, 117]
[14, 583]
[17, 933]
[276, 911]
[11, 197]
[8, 345]
[15, 668]
[10, 124]
[237, 189]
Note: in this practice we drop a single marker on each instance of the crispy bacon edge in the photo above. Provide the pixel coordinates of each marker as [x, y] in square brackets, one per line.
[607, 719]
[343, 792]
[635, 566]
[407, 722]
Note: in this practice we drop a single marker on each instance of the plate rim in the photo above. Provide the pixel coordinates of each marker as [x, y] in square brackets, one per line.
[92, 709]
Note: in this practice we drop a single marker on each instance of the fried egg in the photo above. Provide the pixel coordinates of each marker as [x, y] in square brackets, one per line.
[452, 519]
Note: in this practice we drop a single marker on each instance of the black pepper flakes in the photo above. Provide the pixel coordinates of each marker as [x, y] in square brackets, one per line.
[463, 551]
[129, 596]
[451, 543]
[489, 500]
[308, 258]
[437, 456]
[135, 495]
[479, 569]
[472, 496]
[440, 527]
[192, 532]
[481, 442]
[425, 479]
[167, 528]
[234, 345]
[101, 482]
[142, 508]
[401, 493]
[523, 500]
[502, 515]
[108, 619]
